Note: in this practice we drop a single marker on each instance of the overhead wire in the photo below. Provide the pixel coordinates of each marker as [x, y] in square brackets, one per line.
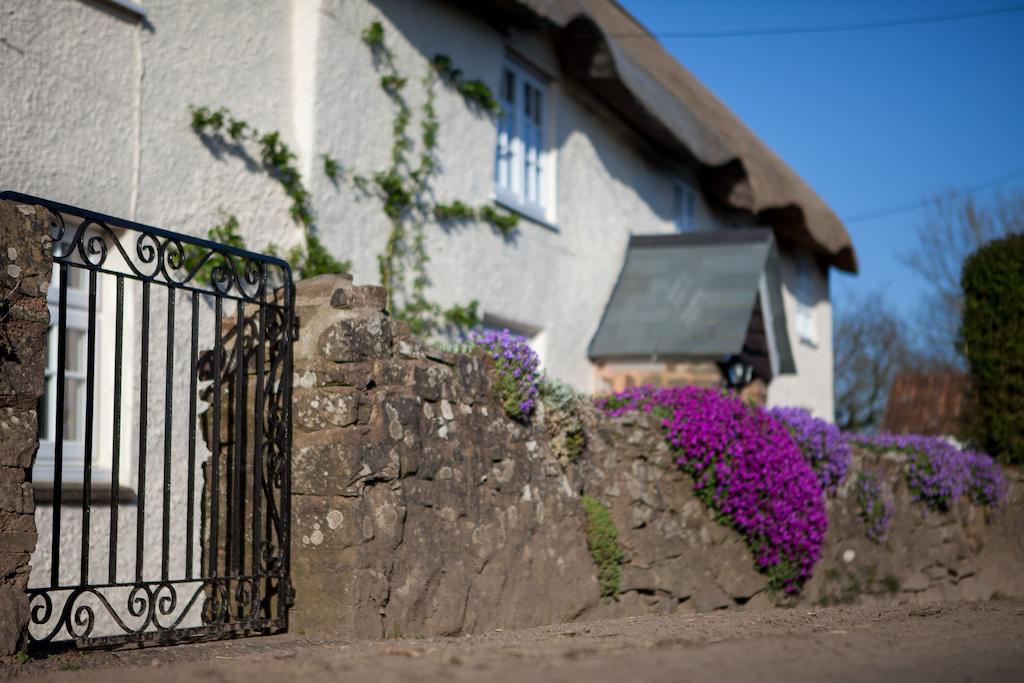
[829, 28]
[896, 209]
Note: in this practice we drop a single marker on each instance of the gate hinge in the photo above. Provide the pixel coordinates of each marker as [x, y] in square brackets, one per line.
[289, 594]
[295, 328]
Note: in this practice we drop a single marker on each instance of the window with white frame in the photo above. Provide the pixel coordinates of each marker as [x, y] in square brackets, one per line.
[75, 387]
[75, 362]
[804, 290]
[684, 206]
[521, 164]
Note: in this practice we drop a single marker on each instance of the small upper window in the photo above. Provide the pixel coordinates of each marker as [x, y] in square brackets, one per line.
[520, 161]
[684, 206]
[806, 328]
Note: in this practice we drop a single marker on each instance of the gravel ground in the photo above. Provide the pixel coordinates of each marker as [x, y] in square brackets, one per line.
[942, 642]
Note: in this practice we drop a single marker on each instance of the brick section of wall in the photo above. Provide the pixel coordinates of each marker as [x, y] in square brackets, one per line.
[612, 377]
[25, 262]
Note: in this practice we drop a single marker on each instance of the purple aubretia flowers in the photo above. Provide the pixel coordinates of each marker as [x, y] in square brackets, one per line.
[518, 369]
[821, 443]
[872, 506]
[939, 473]
[746, 468]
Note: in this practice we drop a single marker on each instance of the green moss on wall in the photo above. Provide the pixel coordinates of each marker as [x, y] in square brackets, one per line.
[603, 542]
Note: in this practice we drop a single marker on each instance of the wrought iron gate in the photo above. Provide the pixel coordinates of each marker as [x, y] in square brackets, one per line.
[165, 436]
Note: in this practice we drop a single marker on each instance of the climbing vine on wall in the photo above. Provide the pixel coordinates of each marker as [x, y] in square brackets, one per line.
[403, 187]
[278, 161]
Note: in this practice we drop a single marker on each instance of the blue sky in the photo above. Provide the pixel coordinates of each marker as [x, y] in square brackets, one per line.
[871, 119]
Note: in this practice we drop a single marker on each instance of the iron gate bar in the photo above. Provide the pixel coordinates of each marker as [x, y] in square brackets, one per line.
[231, 599]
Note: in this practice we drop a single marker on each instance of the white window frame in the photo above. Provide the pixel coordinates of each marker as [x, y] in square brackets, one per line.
[77, 318]
[684, 206]
[803, 290]
[523, 172]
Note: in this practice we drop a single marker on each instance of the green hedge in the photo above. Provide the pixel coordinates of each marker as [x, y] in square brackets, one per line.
[993, 341]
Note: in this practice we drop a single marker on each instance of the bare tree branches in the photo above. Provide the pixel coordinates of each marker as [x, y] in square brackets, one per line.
[872, 345]
[955, 227]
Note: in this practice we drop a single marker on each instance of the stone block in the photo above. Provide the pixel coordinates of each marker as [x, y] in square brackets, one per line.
[18, 542]
[13, 564]
[433, 382]
[356, 339]
[20, 440]
[402, 416]
[26, 253]
[735, 573]
[915, 583]
[326, 470]
[22, 369]
[326, 524]
[15, 492]
[355, 375]
[318, 290]
[14, 616]
[371, 297]
[324, 408]
[709, 598]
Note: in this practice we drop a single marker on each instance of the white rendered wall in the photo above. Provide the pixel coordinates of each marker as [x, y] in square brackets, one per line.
[812, 385]
[554, 279]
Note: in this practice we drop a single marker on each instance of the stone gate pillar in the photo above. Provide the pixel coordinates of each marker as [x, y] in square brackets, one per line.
[26, 257]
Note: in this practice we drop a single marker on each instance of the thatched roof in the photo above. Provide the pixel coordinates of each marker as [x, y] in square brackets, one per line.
[607, 50]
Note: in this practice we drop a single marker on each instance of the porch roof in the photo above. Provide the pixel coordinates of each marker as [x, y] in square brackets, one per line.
[697, 296]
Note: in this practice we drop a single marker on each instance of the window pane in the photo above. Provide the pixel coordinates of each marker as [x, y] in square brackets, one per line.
[73, 409]
[75, 355]
[77, 278]
[519, 152]
[503, 161]
[508, 90]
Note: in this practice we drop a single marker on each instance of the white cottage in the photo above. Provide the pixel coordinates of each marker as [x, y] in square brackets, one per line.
[657, 238]
[604, 136]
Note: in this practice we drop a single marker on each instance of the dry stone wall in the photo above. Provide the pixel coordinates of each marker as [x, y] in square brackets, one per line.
[969, 553]
[25, 262]
[420, 509]
[678, 557]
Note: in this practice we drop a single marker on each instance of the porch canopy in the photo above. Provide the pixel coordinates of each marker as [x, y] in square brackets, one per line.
[698, 296]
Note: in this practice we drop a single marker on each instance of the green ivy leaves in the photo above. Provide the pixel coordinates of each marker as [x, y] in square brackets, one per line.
[278, 161]
[405, 191]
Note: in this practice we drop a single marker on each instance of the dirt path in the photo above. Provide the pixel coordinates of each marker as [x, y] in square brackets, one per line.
[948, 642]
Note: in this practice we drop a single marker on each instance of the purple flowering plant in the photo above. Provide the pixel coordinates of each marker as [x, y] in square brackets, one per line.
[873, 507]
[821, 442]
[746, 468]
[518, 371]
[939, 474]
